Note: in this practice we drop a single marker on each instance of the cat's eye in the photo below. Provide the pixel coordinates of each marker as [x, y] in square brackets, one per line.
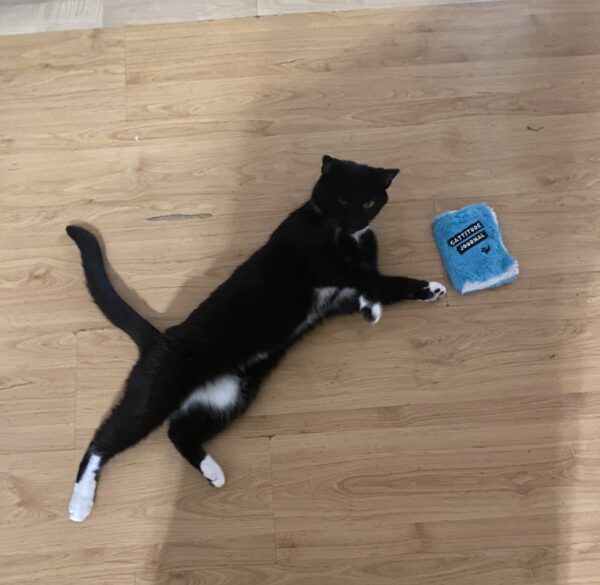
[342, 202]
[368, 204]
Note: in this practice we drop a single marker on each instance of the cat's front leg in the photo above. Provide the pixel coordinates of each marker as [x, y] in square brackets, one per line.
[366, 286]
[433, 291]
[370, 310]
[393, 289]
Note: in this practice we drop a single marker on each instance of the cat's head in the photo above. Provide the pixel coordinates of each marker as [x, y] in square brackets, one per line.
[351, 194]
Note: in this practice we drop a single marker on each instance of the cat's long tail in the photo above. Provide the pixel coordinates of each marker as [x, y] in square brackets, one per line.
[117, 311]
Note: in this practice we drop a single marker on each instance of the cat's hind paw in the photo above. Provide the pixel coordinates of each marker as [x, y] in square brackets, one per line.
[212, 471]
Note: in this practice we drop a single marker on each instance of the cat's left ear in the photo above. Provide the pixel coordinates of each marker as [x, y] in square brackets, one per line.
[328, 163]
[387, 176]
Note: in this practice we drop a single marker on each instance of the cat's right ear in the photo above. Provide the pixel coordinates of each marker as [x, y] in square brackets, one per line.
[328, 164]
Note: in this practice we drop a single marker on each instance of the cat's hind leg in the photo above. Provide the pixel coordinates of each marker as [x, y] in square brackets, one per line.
[211, 407]
[145, 404]
[189, 430]
[204, 413]
[84, 491]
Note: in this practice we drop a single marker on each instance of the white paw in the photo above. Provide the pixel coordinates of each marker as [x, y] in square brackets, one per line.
[376, 312]
[212, 471]
[82, 502]
[370, 311]
[437, 290]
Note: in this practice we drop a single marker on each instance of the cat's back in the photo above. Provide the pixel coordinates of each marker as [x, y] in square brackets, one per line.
[265, 298]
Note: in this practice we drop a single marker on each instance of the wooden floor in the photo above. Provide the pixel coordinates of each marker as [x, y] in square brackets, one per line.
[29, 16]
[453, 444]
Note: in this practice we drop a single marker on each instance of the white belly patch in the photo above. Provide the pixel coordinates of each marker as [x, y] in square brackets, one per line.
[222, 393]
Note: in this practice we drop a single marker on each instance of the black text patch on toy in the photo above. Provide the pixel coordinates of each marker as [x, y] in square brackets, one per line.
[472, 241]
[465, 233]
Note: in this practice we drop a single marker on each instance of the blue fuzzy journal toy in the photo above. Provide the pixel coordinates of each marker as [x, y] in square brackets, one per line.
[471, 246]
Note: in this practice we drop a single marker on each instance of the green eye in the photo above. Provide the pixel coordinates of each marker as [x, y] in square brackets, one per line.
[368, 204]
[342, 202]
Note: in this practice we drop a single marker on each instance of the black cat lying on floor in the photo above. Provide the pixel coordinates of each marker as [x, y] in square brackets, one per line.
[203, 373]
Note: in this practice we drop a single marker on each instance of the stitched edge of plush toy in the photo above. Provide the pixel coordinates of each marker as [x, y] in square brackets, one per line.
[507, 276]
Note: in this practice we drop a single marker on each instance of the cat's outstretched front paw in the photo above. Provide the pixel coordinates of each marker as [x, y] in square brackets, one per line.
[433, 291]
[369, 310]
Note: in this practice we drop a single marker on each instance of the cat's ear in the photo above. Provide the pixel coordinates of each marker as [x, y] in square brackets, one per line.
[387, 176]
[328, 164]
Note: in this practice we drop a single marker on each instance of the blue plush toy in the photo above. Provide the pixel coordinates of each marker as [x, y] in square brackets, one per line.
[470, 242]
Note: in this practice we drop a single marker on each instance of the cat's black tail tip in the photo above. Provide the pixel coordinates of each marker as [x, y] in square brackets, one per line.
[86, 242]
[81, 236]
[74, 231]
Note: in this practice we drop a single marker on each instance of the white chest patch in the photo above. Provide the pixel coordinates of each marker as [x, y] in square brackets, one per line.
[328, 296]
[360, 233]
[325, 298]
[222, 393]
[261, 356]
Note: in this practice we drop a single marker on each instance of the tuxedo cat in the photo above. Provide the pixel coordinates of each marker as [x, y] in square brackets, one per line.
[204, 372]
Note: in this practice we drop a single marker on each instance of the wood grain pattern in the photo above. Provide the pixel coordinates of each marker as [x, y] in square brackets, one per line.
[173, 517]
[61, 78]
[455, 443]
[272, 7]
[34, 16]
[126, 12]
[37, 407]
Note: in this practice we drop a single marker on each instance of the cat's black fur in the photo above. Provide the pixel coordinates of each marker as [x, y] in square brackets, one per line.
[311, 267]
